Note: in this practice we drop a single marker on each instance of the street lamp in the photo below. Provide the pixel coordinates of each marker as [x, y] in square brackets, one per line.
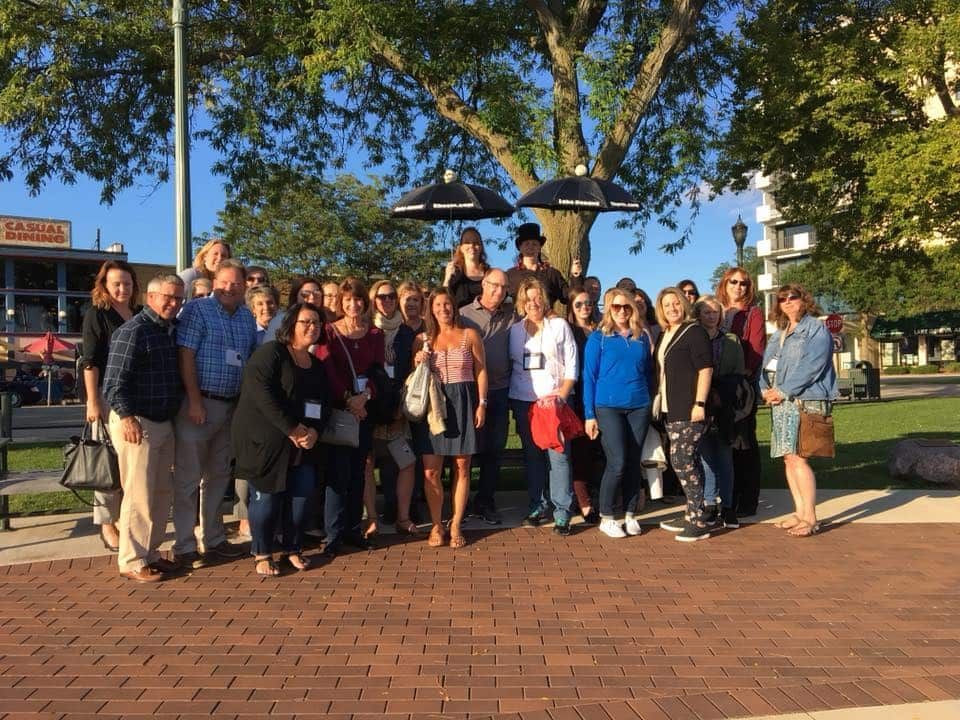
[181, 135]
[739, 231]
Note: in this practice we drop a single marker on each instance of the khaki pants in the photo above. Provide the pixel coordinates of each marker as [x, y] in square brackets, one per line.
[147, 481]
[202, 471]
[106, 505]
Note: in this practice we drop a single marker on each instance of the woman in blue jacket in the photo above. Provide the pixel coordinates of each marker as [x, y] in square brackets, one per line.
[798, 376]
[616, 404]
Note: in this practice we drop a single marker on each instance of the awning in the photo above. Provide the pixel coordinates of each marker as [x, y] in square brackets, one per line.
[938, 322]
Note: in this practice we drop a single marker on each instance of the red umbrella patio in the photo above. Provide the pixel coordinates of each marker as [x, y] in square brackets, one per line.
[46, 346]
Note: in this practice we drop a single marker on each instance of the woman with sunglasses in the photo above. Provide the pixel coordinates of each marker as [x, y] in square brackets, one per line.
[464, 273]
[798, 376]
[396, 483]
[616, 398]
[586, 456]
[743, 318]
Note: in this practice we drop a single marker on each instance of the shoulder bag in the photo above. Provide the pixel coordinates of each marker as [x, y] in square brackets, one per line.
[343, 427]
[815, 437]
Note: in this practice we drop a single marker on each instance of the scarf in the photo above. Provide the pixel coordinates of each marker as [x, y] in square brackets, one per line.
[389, 326]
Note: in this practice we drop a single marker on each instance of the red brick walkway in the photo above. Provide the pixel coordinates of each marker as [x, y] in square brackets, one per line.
[520, 621]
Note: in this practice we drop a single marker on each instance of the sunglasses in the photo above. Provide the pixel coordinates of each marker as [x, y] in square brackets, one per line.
[788, 298]
[617, 307]
[583, 303]
[742, 283]
[386, 296]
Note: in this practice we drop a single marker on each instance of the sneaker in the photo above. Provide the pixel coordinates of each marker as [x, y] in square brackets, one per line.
[162, 565]
[611, 528]
[632, 526]
[488, 513]
[562, 529]
[592, 517]
[711, 515]
[674, 524]
[692, 532]
[226, 551]
[532, 520]
[190, 559]
[730, 520]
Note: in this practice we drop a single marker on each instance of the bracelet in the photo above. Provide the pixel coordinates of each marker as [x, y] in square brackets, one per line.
[483, 402]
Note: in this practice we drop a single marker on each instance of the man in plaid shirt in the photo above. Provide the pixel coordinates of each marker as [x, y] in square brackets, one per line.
[142, 386]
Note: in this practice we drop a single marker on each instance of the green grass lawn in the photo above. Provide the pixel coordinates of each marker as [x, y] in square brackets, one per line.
[866, 432]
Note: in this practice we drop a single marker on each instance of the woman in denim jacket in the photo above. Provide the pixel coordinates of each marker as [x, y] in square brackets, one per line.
[798, 376]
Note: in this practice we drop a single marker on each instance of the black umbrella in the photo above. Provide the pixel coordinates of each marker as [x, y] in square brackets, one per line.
[579, 193]
[451, 200]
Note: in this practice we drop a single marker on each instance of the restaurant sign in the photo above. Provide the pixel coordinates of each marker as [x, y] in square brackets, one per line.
[35, 232]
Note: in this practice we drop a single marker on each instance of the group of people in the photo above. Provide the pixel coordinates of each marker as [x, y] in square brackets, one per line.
[210, 382]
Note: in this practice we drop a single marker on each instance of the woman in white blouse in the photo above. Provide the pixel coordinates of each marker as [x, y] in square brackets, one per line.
[543, 357]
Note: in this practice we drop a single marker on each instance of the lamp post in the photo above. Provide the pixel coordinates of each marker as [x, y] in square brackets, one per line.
[181, 136]
[739, 231]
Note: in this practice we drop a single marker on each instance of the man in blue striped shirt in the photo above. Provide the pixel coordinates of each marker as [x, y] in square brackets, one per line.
[216, 336]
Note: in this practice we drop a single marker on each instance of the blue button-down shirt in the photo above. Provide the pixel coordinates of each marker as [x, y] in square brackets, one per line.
[207, 329]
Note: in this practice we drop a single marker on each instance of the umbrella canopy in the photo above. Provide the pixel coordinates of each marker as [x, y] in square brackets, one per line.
[579, 193]
[47, 345]
[451, 200]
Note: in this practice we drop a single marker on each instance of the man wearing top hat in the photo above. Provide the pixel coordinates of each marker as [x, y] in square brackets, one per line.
[529, 242]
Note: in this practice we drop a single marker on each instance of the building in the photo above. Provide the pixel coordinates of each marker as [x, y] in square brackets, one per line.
[47, 283]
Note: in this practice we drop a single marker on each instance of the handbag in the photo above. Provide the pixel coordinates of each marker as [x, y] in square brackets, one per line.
[815, 437]
[90, 464]
[343, 428]
[416, 393]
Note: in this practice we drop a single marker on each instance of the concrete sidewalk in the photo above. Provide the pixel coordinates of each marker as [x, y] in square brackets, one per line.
[54, 537]
[943, 710]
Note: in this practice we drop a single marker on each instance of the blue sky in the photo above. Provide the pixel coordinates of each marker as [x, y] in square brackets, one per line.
[142, 218]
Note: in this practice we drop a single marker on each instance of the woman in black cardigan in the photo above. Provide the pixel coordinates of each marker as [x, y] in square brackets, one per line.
[282, 409]
[684, 368]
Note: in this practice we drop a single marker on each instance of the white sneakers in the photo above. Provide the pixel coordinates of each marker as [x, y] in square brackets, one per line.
[611, 528]
[632, 526]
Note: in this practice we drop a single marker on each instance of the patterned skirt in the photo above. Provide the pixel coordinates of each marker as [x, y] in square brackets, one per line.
[785, 424]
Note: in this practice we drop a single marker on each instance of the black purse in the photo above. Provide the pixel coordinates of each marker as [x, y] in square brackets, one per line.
[90, 464]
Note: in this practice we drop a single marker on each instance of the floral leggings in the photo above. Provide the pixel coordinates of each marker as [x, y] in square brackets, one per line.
[685, 438]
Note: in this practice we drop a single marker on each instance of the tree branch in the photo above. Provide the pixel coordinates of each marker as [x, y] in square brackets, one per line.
[451, 106]
[673, 40]
[939, 83]
[585, 20]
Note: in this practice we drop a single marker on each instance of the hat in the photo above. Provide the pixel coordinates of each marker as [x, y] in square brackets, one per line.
[529, 231]
[626, 284]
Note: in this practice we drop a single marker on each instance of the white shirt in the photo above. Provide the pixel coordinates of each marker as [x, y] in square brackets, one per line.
[555, 342]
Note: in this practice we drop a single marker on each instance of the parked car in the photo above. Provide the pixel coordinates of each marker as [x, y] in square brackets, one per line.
[23, 390]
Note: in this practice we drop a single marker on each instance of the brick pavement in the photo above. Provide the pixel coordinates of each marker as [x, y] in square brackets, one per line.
[520, 624]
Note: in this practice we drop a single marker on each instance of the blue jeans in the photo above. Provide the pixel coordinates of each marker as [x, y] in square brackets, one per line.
[493, 439]
[543, 466]
[343, 500]
[288, 508]
[717, 459]
[622, 431]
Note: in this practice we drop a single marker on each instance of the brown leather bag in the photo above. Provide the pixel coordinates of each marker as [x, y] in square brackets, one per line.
[815, 438]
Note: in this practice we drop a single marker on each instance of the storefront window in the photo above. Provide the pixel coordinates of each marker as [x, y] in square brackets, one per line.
[34, 275]
[36, 313]
[76, 308]
[80, 276]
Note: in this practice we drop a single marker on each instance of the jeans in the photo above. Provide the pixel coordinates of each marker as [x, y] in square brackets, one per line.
[343, 508]
[493, 439]
[543, 466]
[622, 431]
[717, 459]
[288, 508]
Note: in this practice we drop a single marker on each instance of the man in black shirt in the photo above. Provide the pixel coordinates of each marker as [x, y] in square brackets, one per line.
[142, 386]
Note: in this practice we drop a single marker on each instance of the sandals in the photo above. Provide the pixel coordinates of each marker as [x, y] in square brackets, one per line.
[457, 541]
[407, 527]
[372, 531]
[438, 536]
[790, 522]
[267, 567]
[804, 529]
[298, 561]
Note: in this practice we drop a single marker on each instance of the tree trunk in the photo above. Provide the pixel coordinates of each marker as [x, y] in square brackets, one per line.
[568, 237]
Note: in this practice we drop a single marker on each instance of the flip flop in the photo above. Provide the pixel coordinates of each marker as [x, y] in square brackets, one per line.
[437, 536]
[457, 541]
[267, 567]
[803, 529]
[302, 559]
[407, 527]
[791, 522]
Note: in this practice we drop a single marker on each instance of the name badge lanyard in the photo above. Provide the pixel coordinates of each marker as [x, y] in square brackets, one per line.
[228, 336]
[543, 357]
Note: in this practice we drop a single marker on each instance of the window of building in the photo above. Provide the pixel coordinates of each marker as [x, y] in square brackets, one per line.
[35, 313]
[34, 274]
[786, 236]
[76, 308]
[80, 276]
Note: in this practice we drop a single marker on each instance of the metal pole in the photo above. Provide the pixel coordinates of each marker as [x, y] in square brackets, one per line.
[181, 137]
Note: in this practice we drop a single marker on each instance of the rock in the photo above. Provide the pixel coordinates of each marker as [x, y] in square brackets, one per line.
[933, 461]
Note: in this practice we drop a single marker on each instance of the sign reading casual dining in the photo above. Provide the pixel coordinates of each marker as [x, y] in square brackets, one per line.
[35, 232]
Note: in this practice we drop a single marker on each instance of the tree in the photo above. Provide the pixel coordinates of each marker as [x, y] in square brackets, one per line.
[329, 230]
[850, 106]
[751, 263]
[504, 92]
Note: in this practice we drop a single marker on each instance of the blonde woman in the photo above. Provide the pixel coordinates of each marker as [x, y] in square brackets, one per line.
[543, 359]
[684, 369]
[616, 401]
[206, 262]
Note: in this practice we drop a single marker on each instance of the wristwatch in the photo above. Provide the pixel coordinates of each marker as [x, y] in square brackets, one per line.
[483, 402]
[700, 403]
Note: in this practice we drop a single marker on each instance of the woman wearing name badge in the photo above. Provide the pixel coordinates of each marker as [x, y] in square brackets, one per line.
[281, 411]
[798, 377]
[115, 299]
[351, 345]
[456, 357]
